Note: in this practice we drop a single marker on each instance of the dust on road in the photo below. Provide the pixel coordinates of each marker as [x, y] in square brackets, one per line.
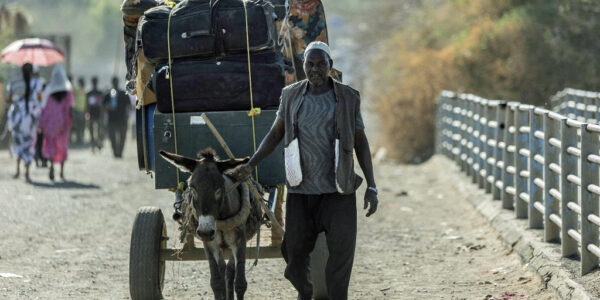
[71, 240]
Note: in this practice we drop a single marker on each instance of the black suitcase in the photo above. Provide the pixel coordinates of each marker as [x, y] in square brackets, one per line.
[206, 28]
[220, 84]
[231, 23]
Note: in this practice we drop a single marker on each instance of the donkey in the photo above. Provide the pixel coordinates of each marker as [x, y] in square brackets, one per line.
[226, 218]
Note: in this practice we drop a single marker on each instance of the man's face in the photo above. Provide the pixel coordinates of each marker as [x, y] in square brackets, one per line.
[317, 65]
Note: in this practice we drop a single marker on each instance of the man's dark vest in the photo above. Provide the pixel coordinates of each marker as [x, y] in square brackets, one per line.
[347, 105]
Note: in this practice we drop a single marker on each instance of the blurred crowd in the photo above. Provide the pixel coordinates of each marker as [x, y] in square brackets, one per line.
[47, 116]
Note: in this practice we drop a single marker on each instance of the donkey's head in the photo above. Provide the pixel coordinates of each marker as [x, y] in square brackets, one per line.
[206, 185]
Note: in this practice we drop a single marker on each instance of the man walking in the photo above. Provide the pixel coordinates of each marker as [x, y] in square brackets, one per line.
[95, 115]
[78, 130]
[117, 106]
[320, 122]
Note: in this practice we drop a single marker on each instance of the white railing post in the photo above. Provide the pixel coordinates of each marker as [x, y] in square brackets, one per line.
[447, 125]
[571, 106]
[490, 133]
[536, 168]
[481, 140]
[568, 189]
[563, 102]
[455, 130]
[441, 126]
[580, 100]
[438, 118]
[498, 152]
[522, 130]
[597, 109]
[476, 151]
[471, 138]
[589, 113]
[589, 201]
[551, 178]
[508, 158]
[464, 153]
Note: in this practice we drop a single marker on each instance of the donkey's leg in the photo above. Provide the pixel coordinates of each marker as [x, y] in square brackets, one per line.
[229, 278]
[217, 271]
[239, 253]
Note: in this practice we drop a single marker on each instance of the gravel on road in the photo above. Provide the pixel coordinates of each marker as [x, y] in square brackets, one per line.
[70, 240]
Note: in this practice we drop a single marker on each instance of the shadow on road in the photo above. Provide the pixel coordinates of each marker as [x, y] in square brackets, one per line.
[67, 184]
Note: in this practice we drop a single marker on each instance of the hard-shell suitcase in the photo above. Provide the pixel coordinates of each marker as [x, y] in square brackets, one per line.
[220, 84]
[203, 28]
[190, 31]
[231, 24]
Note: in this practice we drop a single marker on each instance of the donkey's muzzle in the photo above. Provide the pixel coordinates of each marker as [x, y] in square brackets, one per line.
[207, 228]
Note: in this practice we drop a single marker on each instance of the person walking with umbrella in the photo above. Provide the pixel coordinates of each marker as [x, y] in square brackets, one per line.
[23, 120]
[25, 111]
[56, 120]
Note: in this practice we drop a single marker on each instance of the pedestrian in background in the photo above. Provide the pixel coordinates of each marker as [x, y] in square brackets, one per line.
[56, 120]
[117, 105]
[95, 115]
[23, 118]
[78, 129]
[39, 84]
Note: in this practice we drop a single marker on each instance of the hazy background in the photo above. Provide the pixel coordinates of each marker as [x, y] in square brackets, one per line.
[399, 53]
[95, 27]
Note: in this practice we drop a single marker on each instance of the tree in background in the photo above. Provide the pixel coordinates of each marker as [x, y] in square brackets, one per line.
[500, 49]
[95, 27]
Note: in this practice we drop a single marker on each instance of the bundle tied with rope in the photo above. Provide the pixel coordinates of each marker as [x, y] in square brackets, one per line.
[189, 222]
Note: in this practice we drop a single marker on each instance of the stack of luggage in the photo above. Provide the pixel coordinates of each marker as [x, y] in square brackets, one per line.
[196, 51]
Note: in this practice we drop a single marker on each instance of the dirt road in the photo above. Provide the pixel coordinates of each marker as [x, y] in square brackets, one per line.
[71, 240]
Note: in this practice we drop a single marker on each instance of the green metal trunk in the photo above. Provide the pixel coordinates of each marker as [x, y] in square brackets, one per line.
[193, 135]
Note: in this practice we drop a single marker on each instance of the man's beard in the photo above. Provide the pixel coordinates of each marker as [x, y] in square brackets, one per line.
[317, 80]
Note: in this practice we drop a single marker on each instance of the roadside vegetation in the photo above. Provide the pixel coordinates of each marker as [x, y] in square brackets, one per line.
[500, 49]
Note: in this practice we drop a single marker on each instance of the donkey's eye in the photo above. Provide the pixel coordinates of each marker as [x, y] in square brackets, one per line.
[218, 193]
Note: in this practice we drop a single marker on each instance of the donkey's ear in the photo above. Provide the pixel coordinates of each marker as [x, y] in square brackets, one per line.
[223, 165]
[185, 164]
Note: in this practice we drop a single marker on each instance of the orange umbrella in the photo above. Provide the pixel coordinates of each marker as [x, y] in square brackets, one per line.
[36, 51]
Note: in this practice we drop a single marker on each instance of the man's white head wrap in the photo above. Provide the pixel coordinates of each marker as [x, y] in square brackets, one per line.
[317, 45]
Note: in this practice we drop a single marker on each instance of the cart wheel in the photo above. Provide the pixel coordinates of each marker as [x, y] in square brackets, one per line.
[146, 269]
[318, 260]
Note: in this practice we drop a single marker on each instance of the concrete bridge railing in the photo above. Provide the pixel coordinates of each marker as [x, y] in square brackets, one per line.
[537, 162]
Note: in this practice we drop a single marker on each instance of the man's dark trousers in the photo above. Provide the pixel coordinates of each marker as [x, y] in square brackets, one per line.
[117, 131]
[307, 216]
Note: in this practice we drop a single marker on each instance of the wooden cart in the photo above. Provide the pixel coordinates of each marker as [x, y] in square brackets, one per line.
[148, 249]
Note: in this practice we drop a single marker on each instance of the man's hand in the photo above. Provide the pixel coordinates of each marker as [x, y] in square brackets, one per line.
[240, 173]
[370, 202]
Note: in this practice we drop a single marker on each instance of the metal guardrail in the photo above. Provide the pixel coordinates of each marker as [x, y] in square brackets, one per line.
[537, 162]
[577, 104]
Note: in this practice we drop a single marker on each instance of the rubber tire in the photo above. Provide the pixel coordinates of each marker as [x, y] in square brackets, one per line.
[318, 260]
[146, 269]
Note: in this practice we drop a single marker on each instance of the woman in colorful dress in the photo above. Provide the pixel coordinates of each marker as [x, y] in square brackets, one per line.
[56, 120]
[23, 119]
